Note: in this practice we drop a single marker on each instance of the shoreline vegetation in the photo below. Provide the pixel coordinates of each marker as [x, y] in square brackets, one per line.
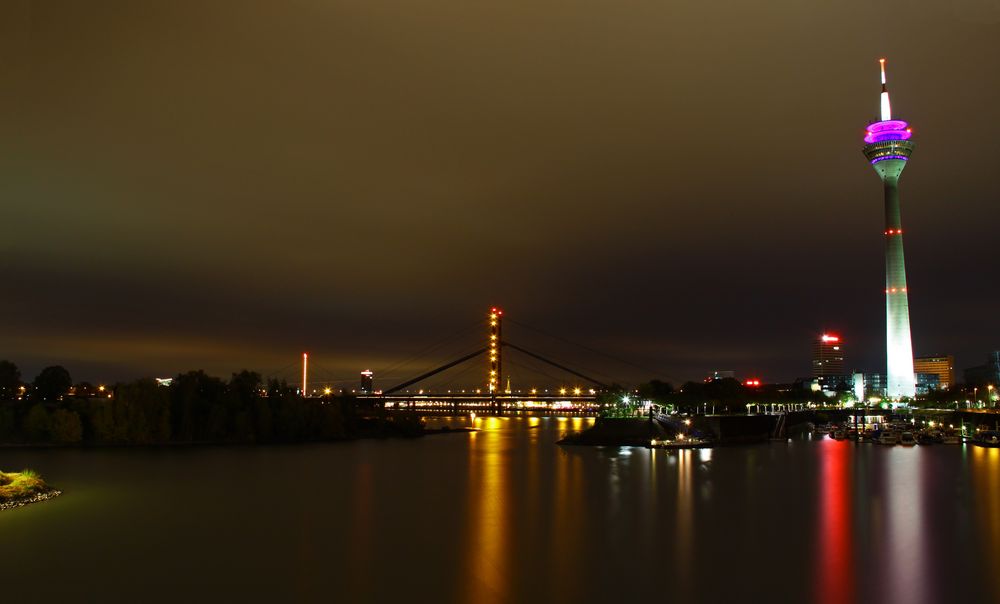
[18, 489]
[194, 409]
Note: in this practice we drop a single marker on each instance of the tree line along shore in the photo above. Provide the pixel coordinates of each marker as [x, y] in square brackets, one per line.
[194, 408]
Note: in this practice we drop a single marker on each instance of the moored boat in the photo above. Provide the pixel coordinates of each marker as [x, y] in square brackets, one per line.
[681, 442]
[987, 438]
[907, 440]
[951, 439]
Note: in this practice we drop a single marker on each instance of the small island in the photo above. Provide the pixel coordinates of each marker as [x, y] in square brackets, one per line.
[21, 488]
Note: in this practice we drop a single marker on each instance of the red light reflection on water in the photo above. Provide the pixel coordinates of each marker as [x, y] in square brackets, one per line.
[835, 570]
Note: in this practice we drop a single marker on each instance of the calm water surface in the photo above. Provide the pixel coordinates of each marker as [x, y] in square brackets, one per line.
[505, 515]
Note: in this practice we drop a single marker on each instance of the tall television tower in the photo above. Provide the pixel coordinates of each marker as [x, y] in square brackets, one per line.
[887, 147]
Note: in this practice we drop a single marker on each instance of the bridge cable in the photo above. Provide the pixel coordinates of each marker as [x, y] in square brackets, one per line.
[554, 364]
[423, 352]
[424, 376]
[585, 347]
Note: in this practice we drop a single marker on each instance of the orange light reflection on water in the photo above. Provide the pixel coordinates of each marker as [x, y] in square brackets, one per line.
[986, 482]
[487, 563]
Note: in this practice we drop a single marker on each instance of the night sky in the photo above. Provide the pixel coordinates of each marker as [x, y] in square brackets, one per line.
[224, 184]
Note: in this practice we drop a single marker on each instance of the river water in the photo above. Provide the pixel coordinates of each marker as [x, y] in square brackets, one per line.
[505, 515]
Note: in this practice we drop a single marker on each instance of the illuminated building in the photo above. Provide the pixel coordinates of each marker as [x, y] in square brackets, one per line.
[868, 384]
[926, 382]
[888, 147]
[941, 366]
[828, 356]
[367, 382]
[720, 374]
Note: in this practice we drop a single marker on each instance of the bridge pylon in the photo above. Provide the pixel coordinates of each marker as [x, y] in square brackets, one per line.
[494, 349]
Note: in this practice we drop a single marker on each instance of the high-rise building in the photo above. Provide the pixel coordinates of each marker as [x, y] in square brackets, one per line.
[828, 356]
[367, 381]
[888, 147]
[941, 365]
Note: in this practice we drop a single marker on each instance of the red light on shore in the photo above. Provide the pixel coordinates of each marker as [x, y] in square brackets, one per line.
[752, 383]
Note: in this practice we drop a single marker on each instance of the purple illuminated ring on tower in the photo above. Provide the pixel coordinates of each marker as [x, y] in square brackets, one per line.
[885, 157]
[887, 125]
[888, 130]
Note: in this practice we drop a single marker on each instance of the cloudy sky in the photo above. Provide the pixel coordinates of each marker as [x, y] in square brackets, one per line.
[225, 183]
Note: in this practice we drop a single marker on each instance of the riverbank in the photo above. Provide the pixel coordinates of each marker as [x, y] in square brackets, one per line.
[18, 489]
[714, 429]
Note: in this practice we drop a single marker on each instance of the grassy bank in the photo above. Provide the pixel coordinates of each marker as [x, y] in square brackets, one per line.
[20, 486]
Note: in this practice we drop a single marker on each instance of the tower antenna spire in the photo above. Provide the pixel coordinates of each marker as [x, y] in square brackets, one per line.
[886, 113]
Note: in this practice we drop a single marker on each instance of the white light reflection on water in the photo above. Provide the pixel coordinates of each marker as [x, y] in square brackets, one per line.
[906, 527]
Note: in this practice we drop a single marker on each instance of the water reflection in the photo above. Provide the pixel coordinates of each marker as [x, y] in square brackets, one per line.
[835, 575]
[683, 551]
[361, 529]
[506, 515]
[986, 483]
[486, 531]
[907, 579]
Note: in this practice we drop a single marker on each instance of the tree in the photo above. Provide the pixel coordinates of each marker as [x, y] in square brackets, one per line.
[10, 381]
[192, 394]
[245, 386]
[656, 390]
[66, 427]
[52, 383]
[37, 424]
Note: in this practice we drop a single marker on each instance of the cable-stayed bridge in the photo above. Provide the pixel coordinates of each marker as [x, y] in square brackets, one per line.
[479, 379]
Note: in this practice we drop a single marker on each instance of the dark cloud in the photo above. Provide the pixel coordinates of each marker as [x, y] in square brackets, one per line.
[223, 184]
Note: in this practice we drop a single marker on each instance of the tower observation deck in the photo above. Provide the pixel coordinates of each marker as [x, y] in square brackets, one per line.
[888, 147]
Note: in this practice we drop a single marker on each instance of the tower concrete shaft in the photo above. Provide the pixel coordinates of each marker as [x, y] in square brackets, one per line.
[888, 148]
